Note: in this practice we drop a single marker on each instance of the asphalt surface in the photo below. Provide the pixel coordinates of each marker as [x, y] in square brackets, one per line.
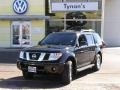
[108, 78]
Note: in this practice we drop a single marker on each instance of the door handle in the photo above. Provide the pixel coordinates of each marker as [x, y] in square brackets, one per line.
[82, 51]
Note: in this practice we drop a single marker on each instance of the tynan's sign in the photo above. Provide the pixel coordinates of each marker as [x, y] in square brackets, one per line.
[74, 6]
[20, 6]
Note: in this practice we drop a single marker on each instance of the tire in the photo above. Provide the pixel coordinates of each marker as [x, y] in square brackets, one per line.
[98, 61]
[27, 75]
[67, 73]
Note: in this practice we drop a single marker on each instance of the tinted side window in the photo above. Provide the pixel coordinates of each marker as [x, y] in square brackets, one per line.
[97, 39]
[82, 40]
[90, 39]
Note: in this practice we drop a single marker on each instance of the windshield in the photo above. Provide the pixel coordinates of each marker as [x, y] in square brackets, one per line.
[59, 39]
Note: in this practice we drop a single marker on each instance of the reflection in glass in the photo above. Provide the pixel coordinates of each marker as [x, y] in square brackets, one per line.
[93, 18]
[16, 34]
[25, 34]
[21, 34]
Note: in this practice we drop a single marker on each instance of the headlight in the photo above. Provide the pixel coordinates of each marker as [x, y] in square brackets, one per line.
[55, 56]
[21, 55]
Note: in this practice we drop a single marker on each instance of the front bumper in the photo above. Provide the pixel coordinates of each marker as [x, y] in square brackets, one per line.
[41, 67]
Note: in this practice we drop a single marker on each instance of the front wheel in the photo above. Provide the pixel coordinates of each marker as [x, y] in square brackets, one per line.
[98, 61]
[67, 73]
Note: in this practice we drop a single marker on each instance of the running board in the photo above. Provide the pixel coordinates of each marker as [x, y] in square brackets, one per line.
[85, 67]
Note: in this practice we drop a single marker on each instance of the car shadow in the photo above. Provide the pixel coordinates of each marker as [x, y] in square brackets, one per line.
[39, 82]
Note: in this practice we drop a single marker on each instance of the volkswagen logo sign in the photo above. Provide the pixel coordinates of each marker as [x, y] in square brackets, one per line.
[34, 56]
[20, 6]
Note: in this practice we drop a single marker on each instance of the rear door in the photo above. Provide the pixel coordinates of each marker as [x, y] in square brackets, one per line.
[91, 47]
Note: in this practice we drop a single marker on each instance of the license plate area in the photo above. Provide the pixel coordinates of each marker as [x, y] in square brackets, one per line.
[32, 69]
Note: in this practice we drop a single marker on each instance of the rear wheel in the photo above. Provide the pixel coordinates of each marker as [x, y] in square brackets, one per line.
[98, 61]
[27, 75]
[67, 73]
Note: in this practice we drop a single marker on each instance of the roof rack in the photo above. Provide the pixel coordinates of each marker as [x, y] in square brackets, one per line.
[68, 30]
[87, 30]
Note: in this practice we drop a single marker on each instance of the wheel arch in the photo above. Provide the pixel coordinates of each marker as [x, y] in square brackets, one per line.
[70, 58]
[100, 55]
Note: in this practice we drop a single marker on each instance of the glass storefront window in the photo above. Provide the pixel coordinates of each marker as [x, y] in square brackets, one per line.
[15, 34]
[55, 26]
[20, 34]
[61, 21]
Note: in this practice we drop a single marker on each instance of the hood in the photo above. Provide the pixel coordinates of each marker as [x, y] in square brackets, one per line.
[49, 48]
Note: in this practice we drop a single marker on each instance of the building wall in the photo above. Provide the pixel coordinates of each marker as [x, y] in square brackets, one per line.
[4, 33]
[112, 23]
[35, 7]
[37, 31]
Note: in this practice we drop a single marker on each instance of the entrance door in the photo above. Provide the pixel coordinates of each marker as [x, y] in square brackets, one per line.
[21, 34]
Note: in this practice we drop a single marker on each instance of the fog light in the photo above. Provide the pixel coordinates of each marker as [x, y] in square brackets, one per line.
[53, 69]
[19, 65]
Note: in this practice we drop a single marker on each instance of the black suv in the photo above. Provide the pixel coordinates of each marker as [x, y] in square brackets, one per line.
[63, 53]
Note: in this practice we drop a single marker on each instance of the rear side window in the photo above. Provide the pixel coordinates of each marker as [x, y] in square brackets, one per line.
[97, 38]
[90, 39]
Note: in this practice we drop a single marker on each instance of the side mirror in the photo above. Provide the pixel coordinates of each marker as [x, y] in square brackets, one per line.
[39, 42]
[77, 45]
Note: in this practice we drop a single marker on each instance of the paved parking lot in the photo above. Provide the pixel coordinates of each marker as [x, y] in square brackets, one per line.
[108, 78]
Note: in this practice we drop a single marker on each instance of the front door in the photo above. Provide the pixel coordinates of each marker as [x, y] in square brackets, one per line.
[82, 52]
[20, 34]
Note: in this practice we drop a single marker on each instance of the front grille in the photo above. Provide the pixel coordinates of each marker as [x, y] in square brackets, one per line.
[46, 57]
[37, 56]
[34, 55]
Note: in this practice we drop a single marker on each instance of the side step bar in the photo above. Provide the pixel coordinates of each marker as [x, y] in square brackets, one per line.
[85, 67]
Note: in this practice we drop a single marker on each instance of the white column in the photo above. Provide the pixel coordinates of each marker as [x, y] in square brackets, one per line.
[102, 18]
[65, 19]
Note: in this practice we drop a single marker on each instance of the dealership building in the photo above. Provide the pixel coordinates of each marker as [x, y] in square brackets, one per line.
[23, 23]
